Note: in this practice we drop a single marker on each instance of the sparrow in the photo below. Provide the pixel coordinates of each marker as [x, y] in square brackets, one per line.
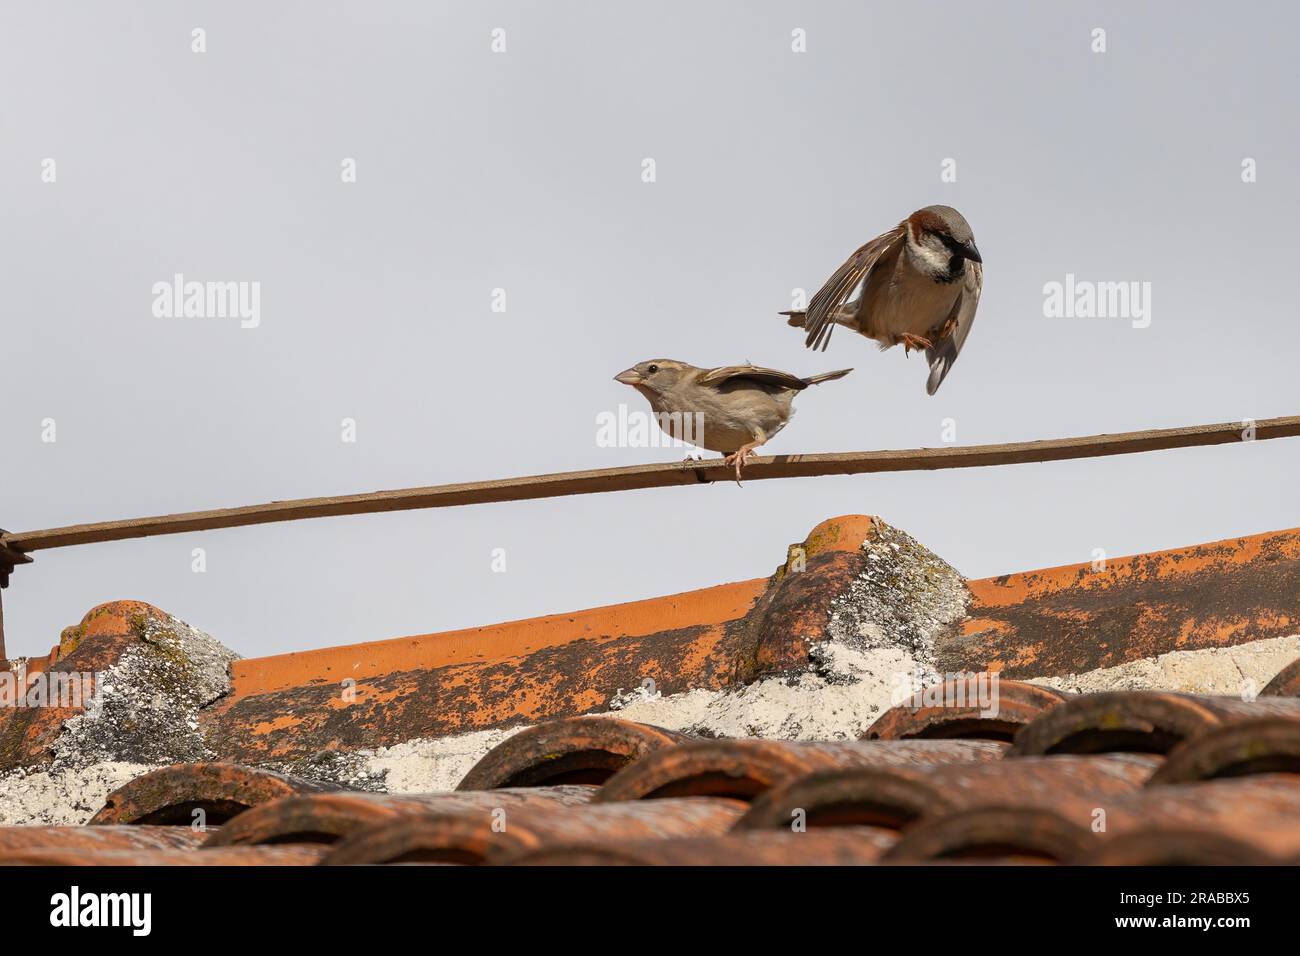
[917, 285]
[737, 407]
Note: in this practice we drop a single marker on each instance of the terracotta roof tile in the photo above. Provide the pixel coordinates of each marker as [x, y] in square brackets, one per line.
[1261, 811]
[994, 833]
[327, 817]
[220, 790]
[975, 804]
[846, 846]
[496, 834]
[1018, 704]
[894, 796]
[1078, 617]
[1147, 721]
[293, 855]
[1239, 748]
[1286, 683]
[96, 839]
[1042, 623]
[27, 734]
[496, 642]
[541, 669]
[743, 769]
[1045, 776]
[1173, 846]
[577, 750]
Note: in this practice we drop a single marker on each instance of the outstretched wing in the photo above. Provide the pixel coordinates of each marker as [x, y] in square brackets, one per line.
[839, 288]
[769, 376]
[942, 355]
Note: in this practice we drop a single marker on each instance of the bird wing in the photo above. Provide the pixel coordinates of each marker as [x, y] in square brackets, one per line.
[943, 355]
[769, 376]
[839, 288]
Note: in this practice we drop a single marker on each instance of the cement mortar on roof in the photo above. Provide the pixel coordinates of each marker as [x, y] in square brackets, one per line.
[347, 768]
[425, 765]
[1241, 670]
[62, 797]
[431, 765]
[842, 698]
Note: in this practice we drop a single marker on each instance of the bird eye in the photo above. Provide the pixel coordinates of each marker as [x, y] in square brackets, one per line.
[652, 369]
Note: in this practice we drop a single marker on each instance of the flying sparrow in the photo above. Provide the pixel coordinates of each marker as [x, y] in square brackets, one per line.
[732, 409]
[917, 285]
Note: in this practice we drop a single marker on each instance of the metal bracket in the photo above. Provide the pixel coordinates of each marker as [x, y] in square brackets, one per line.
[10, 557]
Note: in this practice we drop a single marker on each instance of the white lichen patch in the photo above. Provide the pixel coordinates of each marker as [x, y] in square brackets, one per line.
[905, 599]
[146, 706]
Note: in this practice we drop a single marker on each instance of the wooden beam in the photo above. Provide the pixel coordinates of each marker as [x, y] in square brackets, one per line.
[653, 476]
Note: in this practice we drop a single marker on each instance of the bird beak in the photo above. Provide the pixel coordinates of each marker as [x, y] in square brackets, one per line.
[969, 251]
[630, 377]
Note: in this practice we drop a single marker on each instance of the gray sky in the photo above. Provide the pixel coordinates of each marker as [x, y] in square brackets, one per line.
[522, 170]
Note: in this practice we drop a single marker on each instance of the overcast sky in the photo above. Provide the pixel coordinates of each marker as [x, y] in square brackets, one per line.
[522, 170]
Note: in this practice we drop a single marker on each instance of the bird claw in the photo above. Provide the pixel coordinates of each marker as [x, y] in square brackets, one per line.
[738, 459]
[918, 342]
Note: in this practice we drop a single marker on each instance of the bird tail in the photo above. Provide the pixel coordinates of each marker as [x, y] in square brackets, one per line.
[826, 376]
[940, 357]
[796, 317]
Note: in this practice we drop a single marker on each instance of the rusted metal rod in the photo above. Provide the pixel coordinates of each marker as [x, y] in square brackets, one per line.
[656, 476]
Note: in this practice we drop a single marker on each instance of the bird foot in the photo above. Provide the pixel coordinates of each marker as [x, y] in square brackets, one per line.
[739, 457]
[918, 342]
[948, 329]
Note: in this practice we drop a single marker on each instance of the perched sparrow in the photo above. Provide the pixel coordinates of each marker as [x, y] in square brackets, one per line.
[917, 285]
[733, 409]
